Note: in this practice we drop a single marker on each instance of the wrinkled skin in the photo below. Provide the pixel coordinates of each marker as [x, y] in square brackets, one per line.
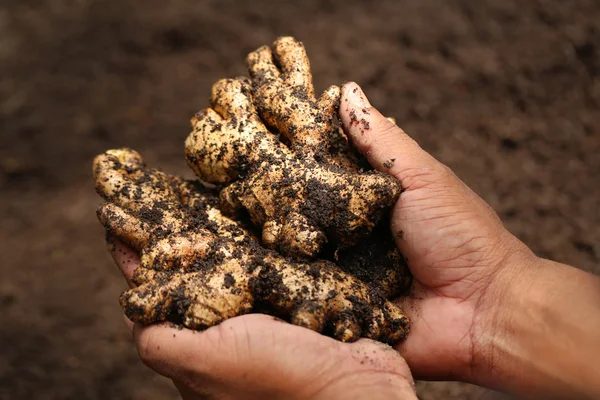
[200, 268]
[302, 194]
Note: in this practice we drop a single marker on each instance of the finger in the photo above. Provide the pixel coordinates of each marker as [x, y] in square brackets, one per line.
[382, 355]
[126, 258]
[383, 374]
[385, 145]
[123, 225]
[257, 353]
[226, 351]
[292, 58]
[430, 315]
[261, 65]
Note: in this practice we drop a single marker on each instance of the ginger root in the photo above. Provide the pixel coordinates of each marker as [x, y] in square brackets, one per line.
[199, 268]
[274, 150]
[299, 201]
[285, 96]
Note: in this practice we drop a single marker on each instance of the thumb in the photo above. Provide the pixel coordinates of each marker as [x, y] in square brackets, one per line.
[383, 143]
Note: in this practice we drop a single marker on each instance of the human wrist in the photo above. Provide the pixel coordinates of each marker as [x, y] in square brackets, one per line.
[510, 291]
[540, 340]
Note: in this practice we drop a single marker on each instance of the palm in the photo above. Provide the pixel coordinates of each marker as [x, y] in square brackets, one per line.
[450, 236]
[452, 241]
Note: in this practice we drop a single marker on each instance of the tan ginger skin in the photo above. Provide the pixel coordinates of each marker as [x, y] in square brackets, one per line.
[302, 193]
[199, 268]
[303, 187]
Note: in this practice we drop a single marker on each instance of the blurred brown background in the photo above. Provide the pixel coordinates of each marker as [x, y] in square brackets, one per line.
[506, 92]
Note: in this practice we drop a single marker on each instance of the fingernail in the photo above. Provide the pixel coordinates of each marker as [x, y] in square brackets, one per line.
[357, 97]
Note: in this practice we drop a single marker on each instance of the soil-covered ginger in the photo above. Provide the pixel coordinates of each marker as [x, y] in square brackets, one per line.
[199, 267]
[293, 175]
[272, 149]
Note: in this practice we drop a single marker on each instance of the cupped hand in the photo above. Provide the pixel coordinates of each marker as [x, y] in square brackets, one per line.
[456, 247]
[258, 356]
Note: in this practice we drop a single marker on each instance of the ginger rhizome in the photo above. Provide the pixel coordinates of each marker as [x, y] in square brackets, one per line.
[273, 152]
[296, 185]
[199, 267]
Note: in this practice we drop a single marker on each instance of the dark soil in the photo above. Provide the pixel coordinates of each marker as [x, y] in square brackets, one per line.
[506, 92]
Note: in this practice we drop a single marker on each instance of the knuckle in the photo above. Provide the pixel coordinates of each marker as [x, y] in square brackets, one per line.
[384, 127]
[413, 178]
[434, 175]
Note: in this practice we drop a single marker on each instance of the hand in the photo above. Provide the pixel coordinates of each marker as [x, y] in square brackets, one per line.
[484, 308]
[456, 246]
[258, 356]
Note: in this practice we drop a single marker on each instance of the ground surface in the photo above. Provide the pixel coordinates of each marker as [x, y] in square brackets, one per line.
[505, 92]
